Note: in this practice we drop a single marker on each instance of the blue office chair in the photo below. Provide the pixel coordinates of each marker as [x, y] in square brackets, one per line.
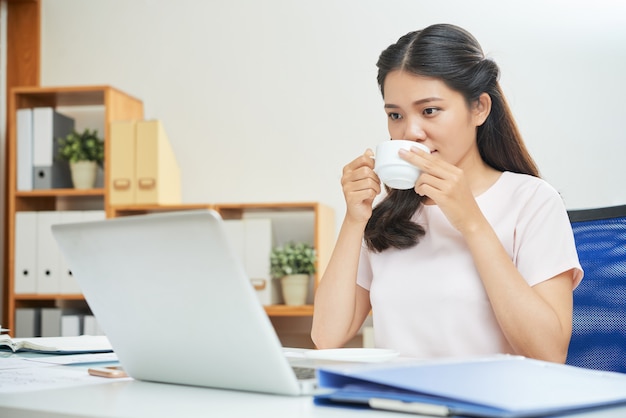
[599, 333]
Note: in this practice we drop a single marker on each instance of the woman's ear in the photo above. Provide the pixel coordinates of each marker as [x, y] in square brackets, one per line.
[481, 109]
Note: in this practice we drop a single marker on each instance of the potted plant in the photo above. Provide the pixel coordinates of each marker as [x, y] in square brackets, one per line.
[84, 152]
[293, 263]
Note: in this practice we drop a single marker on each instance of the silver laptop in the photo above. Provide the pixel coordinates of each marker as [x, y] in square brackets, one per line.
[175, 302]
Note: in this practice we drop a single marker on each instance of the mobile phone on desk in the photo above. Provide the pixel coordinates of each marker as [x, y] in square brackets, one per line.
[109, 371]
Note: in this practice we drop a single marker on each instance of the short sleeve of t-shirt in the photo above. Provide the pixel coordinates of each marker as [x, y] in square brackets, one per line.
[542, 245]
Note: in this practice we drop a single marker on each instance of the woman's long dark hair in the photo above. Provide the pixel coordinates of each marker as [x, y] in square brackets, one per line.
[453, 55]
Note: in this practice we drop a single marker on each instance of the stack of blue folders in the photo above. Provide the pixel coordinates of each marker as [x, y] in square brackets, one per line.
[501, 386]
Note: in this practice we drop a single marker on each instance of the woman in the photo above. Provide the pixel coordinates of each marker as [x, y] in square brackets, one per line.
[479, 258]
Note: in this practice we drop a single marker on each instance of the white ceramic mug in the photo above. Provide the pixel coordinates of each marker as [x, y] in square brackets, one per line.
[393, 170]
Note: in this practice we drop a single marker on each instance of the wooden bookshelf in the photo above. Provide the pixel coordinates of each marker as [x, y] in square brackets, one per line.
[116, 105]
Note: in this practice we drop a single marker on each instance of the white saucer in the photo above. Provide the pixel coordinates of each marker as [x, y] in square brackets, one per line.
[369, 355]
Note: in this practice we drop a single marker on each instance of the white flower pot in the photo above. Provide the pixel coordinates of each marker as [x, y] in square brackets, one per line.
[295, 288]
[84, 174]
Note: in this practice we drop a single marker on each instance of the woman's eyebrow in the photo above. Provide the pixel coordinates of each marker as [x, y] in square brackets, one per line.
[415, 103]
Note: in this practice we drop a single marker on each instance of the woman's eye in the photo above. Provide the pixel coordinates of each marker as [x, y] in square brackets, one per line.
[394, 116]
[429, 111]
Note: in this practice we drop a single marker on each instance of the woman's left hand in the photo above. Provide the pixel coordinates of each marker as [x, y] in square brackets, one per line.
[447, 186]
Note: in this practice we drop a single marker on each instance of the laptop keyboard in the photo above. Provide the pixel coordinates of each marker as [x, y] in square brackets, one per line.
[304, 373]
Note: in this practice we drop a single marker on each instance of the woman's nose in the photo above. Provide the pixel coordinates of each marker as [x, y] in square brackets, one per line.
[414, 131]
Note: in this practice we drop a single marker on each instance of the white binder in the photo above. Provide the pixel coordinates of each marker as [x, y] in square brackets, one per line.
[27, 323]
[252, 241]
[68, 283]
[48, 171]
[24, 148]
[51, 322]
[25, 265]
[48, 254]
[236, 236]
[258, 246]
[90, 326]
[70, 325]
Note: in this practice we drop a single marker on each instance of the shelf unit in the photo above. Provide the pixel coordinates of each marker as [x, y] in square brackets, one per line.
[116, 105]
[311, 219]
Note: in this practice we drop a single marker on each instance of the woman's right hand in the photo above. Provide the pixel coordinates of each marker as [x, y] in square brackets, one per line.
[360, 186]
[341, 305]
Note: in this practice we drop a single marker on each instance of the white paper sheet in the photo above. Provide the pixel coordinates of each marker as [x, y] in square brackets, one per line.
[76, 358]
[38, 378]
[18, 363]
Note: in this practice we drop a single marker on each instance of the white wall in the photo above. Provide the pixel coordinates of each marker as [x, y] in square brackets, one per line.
[267, 100]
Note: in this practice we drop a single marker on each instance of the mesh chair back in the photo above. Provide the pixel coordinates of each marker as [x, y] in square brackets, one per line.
[599, 333]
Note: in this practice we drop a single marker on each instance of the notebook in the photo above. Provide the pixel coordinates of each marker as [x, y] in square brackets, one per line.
[175, 302]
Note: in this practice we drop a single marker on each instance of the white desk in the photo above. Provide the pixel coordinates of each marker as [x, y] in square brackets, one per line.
[144, 399]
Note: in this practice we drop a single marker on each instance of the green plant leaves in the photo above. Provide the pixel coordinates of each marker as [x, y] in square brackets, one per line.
[292, 258]
[85, 146]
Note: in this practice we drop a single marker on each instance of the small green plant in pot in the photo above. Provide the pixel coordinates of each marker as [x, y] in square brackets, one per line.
[84, 152]
[293, 263]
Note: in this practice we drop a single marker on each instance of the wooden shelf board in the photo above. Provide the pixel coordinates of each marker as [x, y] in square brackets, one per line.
[285, 310]
[47, 296]
[165, 208]
[66, 96]
[60, 192]
[271, 310]
[280, 206]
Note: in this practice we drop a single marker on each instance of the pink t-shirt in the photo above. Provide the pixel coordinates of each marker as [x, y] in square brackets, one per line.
[428, 300]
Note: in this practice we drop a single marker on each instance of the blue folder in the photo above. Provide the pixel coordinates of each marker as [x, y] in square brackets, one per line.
[501, 386]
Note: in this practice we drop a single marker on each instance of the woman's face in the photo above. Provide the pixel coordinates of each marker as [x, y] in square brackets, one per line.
[425, 110]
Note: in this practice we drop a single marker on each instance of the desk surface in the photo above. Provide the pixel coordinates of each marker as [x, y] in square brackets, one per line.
[144, 399]
[130, 398]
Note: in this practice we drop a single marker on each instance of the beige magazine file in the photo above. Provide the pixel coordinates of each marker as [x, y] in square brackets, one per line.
[123, 185]
[144, 170]
[156, 168]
